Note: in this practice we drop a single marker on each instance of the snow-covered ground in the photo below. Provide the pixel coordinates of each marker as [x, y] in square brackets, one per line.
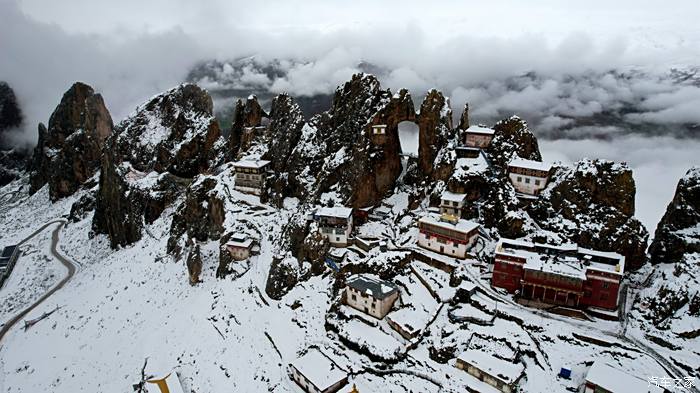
[135, 303]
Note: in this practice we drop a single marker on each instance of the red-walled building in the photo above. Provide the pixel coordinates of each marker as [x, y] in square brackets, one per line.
[567, 275]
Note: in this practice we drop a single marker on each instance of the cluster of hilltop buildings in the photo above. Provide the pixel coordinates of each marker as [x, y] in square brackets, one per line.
[569, 276]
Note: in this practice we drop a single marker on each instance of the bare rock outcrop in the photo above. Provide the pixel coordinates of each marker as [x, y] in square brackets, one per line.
[68, 152]
[10, 112]
[150, 158]
[592, 204]
[678, 232]
[200, 216]
[338, 151]
[435, 161]
[246, 118]
[512, 138]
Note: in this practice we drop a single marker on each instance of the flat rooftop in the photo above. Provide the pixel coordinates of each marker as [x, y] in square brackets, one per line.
[610, 378]
[480, 130]
[372, 285]
[567, 260]
[530, 164]
[453, 197]
[504, 370]
[461, 225]
[336, 211]
[251, 164]
[319, 369]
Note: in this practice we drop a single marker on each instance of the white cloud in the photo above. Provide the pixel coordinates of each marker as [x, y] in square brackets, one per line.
[657, 163]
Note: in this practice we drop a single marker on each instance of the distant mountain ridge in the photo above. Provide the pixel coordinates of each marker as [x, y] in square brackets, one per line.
[587, 104]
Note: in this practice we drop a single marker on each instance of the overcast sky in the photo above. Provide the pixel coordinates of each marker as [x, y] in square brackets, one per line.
[130, 49]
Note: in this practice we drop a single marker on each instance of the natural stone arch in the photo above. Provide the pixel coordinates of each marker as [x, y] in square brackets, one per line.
[409, 136]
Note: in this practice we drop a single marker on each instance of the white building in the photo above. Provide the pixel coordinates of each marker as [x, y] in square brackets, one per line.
[447, 234]
[603, 377]
[240, 247]
[164, 383]
[335, 224]
[250, 176]
[480, 137]
[452, 203]
[501, 374]
[527, 176]
[370, 295]
[316, 373]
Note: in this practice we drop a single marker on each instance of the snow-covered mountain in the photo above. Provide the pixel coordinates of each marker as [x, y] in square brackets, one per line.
[155, 283]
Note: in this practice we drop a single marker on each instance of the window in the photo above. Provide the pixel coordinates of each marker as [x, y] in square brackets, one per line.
[354, 297]
[537, 182]
[606, 285]
[337, 239]
[455, 204]
[520, 179]
[527, 180]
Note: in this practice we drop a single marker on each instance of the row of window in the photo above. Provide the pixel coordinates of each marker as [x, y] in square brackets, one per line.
[527, 180]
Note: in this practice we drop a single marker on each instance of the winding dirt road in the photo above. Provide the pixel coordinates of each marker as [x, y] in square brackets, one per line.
[67, 263]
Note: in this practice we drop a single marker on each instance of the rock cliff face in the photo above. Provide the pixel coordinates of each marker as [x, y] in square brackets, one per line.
[335, 152]
[593, 204]
[68, 152]
[200, 216]
[678, 233]
[435, 161]
[246, 116]
[671, 300]
[151, 156]
[10, 113]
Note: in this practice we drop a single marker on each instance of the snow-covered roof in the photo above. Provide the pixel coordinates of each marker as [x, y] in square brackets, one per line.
[379, 126]
[240, 241]
[453, 197]
[372, 285]
[171, 381]
[567, 259]
[251, 164]
[480, 130]
[319, 370]
[612, 379]
[504, 370]
[461, 225]
[336, 211]
[530, 164]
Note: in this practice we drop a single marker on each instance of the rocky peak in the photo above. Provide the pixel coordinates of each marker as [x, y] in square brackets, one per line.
[173, 132]
[68, 151]
[150, 159]
[464, 119]
[10, 113]
[513, 138]
[596, 200]
[286, 122]
[247, 115]
[435, 133]
[678, 232]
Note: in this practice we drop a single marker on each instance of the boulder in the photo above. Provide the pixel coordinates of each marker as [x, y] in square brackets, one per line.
[194, 264]
[283, 276]
[68, 151]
